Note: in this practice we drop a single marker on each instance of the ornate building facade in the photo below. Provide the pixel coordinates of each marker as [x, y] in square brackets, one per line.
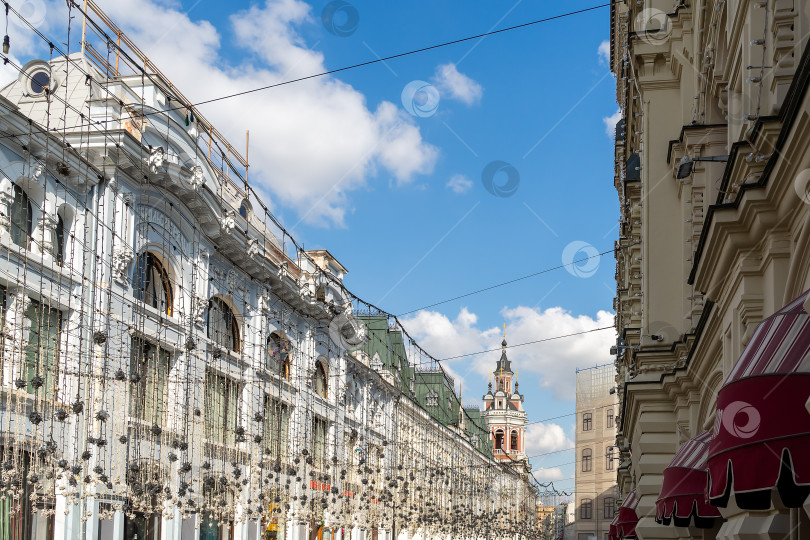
[711, 168]
[504, 414]
[175, 366]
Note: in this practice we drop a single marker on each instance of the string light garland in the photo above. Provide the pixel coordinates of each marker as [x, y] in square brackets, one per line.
[151, 369]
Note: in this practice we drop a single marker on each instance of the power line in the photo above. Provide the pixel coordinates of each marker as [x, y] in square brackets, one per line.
[369, 62]
[509, 282]
[530, 342]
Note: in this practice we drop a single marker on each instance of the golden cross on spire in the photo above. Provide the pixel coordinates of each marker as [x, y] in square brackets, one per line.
[504, 330]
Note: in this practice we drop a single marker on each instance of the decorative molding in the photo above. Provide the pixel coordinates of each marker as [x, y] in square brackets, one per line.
[197, 179]
[122, 257]
[157, 160]
[228, 222]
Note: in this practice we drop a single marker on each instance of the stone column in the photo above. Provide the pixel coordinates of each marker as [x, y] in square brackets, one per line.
[44, 237]
[16, 336]
[6, 198]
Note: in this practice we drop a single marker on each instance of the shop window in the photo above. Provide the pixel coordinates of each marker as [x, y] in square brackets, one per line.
[223, 327]
[221, 408]
[320, 381]
[42, 349]
[278, 355]
[21, 218]
[151, 284]
[149, 367]
[276, 423]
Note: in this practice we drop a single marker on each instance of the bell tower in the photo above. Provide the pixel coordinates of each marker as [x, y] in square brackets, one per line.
[503, 412]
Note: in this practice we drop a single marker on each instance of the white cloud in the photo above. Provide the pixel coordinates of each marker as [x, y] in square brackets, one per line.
[604, 52]
[544, 475]
[610, 123]
[544, 438]
[550, 365]
[459, 184]
[457, 85]
[312, 142]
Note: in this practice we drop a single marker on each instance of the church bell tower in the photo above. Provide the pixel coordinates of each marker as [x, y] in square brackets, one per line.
[503, 412]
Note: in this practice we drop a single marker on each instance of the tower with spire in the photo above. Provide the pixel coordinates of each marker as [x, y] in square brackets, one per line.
[504, 413]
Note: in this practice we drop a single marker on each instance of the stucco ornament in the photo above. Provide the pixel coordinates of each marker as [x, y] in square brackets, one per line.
[197, 179]
[228, 222]
[198, 306]
[122, 257]
[157, 159]
[253, 248]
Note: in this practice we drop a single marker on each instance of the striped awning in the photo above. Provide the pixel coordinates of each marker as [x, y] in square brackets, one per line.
[612, 532]
[761, 437]
[627, 519]
[683, 491]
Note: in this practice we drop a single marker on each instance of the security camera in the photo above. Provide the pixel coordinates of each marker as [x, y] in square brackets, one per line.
[614, 350]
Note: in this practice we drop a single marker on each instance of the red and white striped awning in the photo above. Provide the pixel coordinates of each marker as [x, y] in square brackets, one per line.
[627, 519]
[761, 437]
[683, 491]
[612, 532]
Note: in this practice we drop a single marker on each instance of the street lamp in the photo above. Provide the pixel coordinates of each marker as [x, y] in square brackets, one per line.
[686, 163]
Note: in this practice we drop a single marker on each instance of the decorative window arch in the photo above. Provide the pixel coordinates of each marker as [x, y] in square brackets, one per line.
[499, 439]
[223, 326]
[21, 218]
[587, 460]
[513, 441]
[151, 284]
[278, 355]
[320, 380]
[245, 209]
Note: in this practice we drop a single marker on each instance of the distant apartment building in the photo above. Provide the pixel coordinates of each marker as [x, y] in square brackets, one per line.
[596, 491]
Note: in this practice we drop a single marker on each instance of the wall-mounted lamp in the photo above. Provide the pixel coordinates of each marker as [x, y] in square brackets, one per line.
[686, 163]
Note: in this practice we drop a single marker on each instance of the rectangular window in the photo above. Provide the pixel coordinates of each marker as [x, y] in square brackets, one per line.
[586, 509]
[587, 421]
[274, 432]
[610, 507]
[149, 367]
[221, 408]
[587, 460]
[319, 434]
[42, 349]
[609, 458]
[610, 418]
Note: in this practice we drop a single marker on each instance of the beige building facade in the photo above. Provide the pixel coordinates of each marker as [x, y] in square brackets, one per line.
[595, 491]
[711, 169]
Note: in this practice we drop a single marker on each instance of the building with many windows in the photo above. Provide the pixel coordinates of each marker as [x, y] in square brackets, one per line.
[595, 491]
[174, 366]
[711, 169]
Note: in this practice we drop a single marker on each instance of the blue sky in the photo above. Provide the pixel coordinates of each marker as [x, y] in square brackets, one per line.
[399, 198]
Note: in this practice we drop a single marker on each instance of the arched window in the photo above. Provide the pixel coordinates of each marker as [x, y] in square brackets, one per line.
[59, 251]
[513, 442]
[587, 460]
[151, 284]
[244, 209]
[278, 355]
[320, 380]
[223, 328]
[499, 440]
[20, 218]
